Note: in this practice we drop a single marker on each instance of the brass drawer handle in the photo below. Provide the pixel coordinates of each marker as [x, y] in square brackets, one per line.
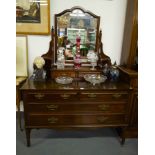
[92, 95]
[102, 119]
[117, 95]
[65, 96]
[103, 107]
[39, 96]
[63, 74]
[52, 107]
[52, 120]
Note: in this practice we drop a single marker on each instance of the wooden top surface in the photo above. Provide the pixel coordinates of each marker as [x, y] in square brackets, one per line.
[75, 85]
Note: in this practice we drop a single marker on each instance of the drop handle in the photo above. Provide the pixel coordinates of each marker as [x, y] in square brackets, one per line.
[52, 107]
[64, 74]
[102, 119]
[117, 95]
[92, 95]
[65, 96]
[52, 120]
[103, 107]
[39, 96]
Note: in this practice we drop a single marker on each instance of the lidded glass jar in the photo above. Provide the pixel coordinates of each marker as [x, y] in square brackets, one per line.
[114, 72]
[61, 58]
[92, 58]
[92, 55]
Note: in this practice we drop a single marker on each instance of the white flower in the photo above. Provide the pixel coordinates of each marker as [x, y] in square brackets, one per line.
[39, 62]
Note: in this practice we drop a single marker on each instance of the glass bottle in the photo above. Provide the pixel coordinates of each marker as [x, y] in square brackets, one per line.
[77, 58]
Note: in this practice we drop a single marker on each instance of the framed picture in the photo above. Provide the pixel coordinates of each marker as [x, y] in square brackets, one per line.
[21, 56]
[33, 17]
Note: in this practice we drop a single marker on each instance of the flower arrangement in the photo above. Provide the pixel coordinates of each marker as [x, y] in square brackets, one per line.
[39, 62]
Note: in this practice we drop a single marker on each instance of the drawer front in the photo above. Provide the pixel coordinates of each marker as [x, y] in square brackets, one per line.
[112, 97]
[52, 108]
[50, 120]
[51, 97]
[81, 73]
[74, 96]
[55, 74]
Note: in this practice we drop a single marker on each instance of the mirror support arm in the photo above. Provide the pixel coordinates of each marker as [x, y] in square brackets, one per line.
[49, 56]
[103, 58]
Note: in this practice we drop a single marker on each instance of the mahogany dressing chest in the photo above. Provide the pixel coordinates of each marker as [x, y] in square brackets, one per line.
[79, 104]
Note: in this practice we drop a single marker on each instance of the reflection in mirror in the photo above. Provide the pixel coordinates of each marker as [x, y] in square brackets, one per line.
[76, 27]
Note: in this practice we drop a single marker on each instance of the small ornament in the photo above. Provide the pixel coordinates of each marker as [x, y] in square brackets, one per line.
[39, 74]
[106, 70]
[61, 58]
[92, 58]
[114, 72]
[77, 59]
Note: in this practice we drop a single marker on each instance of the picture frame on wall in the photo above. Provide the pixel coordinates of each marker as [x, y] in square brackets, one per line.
[33, 17]
[21, 56]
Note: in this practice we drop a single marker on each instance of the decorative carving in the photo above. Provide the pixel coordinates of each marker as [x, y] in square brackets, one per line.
[103, 58]
[49, 56]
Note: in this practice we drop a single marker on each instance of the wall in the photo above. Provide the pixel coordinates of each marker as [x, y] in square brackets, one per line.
[112, 14]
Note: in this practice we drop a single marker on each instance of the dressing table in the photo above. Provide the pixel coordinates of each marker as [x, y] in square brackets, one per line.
[80, 104]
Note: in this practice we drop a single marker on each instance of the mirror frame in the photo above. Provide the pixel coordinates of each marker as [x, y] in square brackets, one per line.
[84, 11]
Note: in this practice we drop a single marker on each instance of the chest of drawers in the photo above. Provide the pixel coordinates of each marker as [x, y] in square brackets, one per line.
[77, 105]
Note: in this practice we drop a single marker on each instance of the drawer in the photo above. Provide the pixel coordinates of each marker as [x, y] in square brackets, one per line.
[103, 97]
[82, 73]
[57, 73]
[52, 108]
[50, 97]
[52, 120]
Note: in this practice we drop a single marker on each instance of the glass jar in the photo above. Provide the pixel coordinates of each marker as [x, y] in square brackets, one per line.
[92, 55]
[114, 73]
[60, 61]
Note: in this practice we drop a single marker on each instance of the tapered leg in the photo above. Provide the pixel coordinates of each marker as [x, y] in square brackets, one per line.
[123, 136]
[28, 136]
[18, 98]
[122, 140]
[19, 118]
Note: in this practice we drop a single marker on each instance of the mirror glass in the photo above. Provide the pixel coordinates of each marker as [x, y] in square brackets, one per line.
[75, 27]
